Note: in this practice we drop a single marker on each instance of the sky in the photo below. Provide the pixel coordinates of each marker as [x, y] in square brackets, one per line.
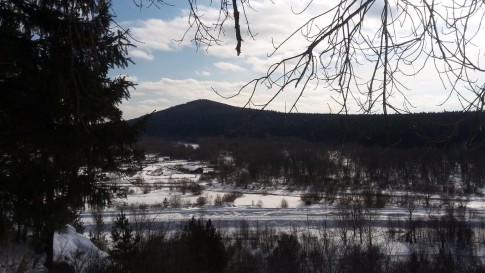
[169, 71]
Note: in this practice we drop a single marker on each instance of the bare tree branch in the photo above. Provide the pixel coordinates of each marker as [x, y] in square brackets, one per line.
[410, 37]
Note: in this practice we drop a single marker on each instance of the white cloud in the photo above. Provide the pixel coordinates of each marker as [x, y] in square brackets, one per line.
[272, 23]
[130, 78]
[229, 66]
[203, 73]
[131, 111]
[175, 91]
[160, 103]
[157, 34]
[141, 54]
[166, 92]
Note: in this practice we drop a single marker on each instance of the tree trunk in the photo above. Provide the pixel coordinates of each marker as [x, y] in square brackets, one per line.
[49, 248]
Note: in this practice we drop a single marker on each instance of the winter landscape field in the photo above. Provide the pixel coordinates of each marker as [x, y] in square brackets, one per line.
[165, 193]
[162, 191]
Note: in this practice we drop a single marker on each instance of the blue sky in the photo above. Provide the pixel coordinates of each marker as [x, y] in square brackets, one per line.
[168, 73]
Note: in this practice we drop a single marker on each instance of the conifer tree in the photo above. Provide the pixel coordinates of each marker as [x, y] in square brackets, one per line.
[124, 240]
[59, 117]
[205, 247]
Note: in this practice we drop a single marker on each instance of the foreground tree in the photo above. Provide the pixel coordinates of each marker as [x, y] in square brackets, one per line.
[125, 242]
[59, 118]
[203, 244]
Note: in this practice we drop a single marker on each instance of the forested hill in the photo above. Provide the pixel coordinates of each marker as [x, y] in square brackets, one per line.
[204, 118]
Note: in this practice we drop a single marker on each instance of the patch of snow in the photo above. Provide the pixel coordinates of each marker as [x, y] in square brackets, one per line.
[268, 201]
[73, 247]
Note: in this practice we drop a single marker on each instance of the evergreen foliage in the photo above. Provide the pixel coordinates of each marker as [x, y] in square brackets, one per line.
[78, 224]
[203, 118]
[196, 248]
[286, 255]
[59, 117]
[204, 245]
[97, 235]
[123, 239]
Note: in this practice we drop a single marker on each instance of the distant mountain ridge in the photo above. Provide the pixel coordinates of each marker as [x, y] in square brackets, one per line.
[205, 118]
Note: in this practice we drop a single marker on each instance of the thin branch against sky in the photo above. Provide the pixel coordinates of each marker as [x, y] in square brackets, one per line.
[356, 56]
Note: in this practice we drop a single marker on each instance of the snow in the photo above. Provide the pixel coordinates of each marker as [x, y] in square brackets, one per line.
[71, 246]
[261, 206]
[256, 206]
[268, 201]
[161, 180]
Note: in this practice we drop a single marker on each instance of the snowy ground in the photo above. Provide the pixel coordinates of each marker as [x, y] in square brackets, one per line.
[259, 208]
[151, 192]
[161, 180]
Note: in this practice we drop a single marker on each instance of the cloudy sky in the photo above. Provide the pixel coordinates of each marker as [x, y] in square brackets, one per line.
[169, 72]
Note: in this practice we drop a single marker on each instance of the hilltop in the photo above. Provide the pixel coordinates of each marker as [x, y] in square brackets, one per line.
[204, 118]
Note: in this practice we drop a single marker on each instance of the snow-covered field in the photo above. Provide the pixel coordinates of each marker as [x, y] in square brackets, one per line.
[156, 193]
[170, 192]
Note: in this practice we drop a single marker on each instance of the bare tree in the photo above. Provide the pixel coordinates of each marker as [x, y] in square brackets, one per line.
[397, 38]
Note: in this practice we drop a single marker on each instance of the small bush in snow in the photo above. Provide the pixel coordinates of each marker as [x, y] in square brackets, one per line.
[201, 201]
[284, 203]
[175, 201]
[231, 196]
[146, 188]
[194, 188]
[310, 198]
[218, 201]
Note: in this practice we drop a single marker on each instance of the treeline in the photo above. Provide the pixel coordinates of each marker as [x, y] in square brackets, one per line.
[203, 118]
[344, 243]
[327, 168]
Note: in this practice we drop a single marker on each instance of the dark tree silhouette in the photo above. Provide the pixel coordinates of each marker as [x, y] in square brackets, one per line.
[125, 242]
[204, 245]
[59, 117]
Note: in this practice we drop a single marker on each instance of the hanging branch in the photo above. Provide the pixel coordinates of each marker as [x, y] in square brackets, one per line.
[237, 27]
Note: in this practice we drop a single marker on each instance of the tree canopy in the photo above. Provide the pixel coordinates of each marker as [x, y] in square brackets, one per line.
[59, 118]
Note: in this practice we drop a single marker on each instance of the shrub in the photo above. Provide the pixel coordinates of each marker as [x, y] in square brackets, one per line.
[195, 188]
[192, 187]
[146, 188]
[218, 200]
[201, 201]
[310, 198]
[175, 201]
[284, 203]
[231, 196]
